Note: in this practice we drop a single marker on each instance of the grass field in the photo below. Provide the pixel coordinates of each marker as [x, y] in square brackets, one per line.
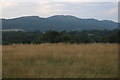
[60, 61]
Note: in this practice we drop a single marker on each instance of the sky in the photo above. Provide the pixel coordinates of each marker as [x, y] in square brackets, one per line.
[44, 8]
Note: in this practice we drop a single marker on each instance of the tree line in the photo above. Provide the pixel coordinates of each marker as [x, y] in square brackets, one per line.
[37, 37]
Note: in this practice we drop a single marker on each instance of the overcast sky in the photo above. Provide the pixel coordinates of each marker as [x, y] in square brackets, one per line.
[98, 10]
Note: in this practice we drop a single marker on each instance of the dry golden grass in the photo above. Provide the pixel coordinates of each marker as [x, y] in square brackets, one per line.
[60, 61]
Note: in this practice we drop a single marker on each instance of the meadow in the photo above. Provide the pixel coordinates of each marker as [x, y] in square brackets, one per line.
[60, 60]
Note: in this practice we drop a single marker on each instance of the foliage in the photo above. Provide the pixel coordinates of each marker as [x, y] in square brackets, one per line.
[57, 22]
[36, 37]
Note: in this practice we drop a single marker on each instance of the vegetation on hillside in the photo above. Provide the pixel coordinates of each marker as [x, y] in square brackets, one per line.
[37, 37]
[57, 23]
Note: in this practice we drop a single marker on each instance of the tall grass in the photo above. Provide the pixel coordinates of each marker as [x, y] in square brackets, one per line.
[60, 61]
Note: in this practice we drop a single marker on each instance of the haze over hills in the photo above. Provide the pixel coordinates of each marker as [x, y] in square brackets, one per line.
[58, 23]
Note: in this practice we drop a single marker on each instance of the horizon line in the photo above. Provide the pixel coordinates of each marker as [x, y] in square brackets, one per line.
[57, 15]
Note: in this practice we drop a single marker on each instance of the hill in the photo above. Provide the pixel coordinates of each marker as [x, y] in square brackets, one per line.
[57, 22]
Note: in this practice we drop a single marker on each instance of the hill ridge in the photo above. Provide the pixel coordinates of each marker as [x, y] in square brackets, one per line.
[58, 23]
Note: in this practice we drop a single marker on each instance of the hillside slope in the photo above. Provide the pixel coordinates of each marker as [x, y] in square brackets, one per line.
[57, 22]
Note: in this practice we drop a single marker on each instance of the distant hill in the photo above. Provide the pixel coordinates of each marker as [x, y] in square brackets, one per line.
[57, 22]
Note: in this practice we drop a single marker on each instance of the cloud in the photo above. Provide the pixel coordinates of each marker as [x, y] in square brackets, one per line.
[8, 4]
[60, 0]
[46, 8]
[112, 11]
[86, 0]
[98, 10]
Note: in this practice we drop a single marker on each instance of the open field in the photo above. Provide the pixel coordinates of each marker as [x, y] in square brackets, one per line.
[60, 61]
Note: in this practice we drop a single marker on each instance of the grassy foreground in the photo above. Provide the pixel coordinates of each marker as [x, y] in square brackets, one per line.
[60, 61]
